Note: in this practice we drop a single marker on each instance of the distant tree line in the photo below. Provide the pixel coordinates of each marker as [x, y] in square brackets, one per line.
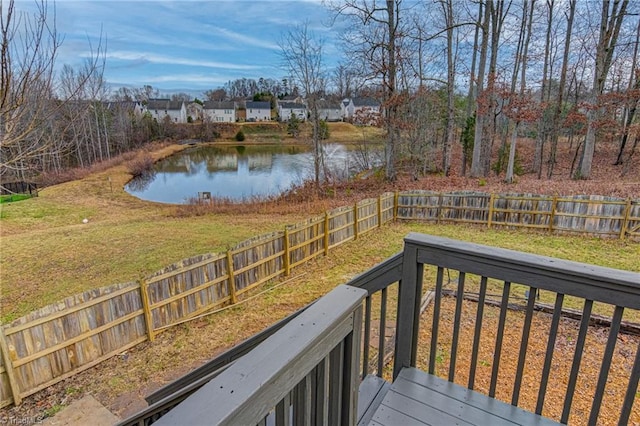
[478, 73]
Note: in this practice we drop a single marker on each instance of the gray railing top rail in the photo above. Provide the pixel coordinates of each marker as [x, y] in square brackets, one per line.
[252, 386]
[613, 286]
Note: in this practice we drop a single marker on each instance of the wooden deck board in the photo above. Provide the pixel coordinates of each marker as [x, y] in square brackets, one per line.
[419, 398]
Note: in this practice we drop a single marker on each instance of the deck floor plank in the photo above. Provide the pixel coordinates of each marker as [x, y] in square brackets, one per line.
[419, 398]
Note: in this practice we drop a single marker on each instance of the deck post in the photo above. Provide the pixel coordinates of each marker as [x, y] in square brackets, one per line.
[409, 292]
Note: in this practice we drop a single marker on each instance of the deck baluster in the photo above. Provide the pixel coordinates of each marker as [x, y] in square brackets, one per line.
[499, 335]
[456, 326]
[383, 330]
[632, 390]
[433, 351]
[606, 364]
[551, 343]
[367, 337]
[526, 329]
[477, 331]
[577, 357]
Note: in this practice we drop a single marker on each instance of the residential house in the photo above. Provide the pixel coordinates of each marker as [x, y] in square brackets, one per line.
[286, 109]
[258, 111]
[361, 110]
[330, 110]
[194, 111]
[160, 109]
[219, 111]
[133, 107]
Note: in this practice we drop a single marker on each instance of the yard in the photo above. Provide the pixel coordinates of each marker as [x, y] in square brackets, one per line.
[48, 253]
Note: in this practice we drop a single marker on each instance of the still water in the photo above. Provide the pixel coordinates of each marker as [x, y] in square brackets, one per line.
[242, 172]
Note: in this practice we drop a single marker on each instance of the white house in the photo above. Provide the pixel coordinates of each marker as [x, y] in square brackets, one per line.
[285, 109]
[162, 108]
[258, 111]
[194, 110]
[330, 111]
[132, 107]
[219, 112]
[361, 110]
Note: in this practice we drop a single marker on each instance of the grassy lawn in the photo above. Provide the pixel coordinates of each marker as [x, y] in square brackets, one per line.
[48, 253]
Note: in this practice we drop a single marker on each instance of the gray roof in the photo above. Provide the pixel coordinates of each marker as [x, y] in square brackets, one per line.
[325, 104]
[292, 105]
[365, 102]
[258, 105]
[166, 104]
[219, 105]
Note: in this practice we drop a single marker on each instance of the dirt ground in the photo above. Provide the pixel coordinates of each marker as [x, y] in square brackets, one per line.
[183, 348]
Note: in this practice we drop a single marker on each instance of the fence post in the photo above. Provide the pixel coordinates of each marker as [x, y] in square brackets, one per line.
[355, 221]
[490, 217]
[625, 221]
[8, 366]
[287, 264]
[146, 308]
[395, 206]
[380, 211]
[554, 205]
[326, 233]
[439, 210]
[232, 280]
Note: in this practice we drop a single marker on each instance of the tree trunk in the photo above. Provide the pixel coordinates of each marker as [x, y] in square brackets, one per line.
[555, 129]
[481, 107]
[451, 72]
[542, 125]
[630, 111]
[610, 24]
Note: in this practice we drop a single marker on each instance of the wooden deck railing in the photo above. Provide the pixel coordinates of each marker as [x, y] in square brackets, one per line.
[393, 327]
[307, 372]
[484, 270]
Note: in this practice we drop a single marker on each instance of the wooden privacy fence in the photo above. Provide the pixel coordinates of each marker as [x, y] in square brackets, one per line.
[65, 338]
[588, 214]
[62, 339]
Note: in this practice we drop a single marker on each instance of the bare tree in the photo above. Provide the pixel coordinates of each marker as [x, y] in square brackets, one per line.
[375, 41]
[216, 94]
[477, 169]
[633, 89]
[29, 47]
[612, 16]
[556, 119]
[520, 64]
[30, 132]
[301, 52]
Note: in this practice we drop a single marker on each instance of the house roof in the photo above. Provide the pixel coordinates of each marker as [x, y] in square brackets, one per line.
[219, 105]
[258, 105]
[325, 104]
[292, 105]
[365, 102]
[121, 105]
[166, 104]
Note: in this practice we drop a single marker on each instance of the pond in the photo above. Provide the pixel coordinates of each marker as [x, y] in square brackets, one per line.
[244, 172]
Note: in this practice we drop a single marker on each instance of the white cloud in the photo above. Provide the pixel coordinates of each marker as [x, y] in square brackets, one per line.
[172, 60]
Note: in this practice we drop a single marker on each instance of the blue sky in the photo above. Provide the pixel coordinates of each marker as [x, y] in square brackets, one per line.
[185, 45]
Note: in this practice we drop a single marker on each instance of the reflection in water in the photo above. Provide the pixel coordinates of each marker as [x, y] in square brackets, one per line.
[237, 173]
[141, 182]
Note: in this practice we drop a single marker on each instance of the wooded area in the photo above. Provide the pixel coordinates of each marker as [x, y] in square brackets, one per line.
[62, 339]
[481, 74]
